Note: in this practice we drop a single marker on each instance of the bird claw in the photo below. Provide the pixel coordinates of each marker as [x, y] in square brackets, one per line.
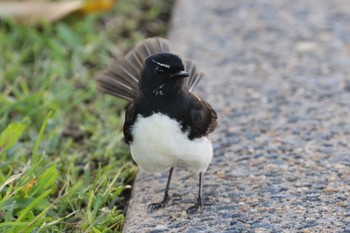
[207, 201]
[162, 204]
[193, 209]
[156, 206]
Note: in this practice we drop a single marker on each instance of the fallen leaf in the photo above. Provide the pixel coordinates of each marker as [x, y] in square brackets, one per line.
[97, 5]
[29, 185]
[34, 11]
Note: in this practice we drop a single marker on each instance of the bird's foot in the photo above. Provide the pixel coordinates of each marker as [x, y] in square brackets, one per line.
[207, 201]
[156, 206]
[193, 209]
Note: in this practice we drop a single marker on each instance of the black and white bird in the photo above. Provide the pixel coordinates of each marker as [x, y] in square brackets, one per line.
[165, 124]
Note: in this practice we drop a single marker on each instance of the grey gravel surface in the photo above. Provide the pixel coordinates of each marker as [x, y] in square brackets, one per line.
[278, 73]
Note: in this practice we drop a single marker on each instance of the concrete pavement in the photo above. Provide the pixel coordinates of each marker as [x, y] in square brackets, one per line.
[278, 73]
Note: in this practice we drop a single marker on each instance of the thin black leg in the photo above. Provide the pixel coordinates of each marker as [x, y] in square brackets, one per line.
[199, 203]
[162, 204]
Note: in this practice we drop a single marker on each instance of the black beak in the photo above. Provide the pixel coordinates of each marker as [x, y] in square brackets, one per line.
[180, 74]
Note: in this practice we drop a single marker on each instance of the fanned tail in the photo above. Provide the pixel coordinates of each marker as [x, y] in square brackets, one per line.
[122, 76]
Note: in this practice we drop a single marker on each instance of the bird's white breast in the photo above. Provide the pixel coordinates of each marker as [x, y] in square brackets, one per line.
[158, 144]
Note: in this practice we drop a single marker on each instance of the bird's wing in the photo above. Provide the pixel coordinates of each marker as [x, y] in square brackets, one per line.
[122, 75]
[203, 118]
[130, 118]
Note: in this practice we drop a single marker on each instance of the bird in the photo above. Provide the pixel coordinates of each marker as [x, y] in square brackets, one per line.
[166, 125]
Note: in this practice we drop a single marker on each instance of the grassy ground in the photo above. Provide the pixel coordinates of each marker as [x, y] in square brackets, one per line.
[63, 164]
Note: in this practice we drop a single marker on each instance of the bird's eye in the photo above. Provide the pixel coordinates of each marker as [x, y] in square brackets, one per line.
[159, 70]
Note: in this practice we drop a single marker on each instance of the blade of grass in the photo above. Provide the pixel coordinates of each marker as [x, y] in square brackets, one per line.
[12, 224]
[31, 205]
[12, 134]
[40, 136]
[45, 180]
[44, 212]
[10, 180]
[8, 216]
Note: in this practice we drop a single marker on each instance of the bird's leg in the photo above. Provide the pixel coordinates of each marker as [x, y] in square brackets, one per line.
[155, 206]
[199, 203]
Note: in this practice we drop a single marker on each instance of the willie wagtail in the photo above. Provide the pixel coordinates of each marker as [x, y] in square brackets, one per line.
[165, 124]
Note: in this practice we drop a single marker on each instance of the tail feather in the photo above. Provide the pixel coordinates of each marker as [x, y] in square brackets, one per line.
[122, 76]
[195, 76]
[116, 89]
[145, 49]
[164, 46]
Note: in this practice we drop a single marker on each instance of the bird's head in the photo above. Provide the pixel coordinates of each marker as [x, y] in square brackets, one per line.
[163, 73]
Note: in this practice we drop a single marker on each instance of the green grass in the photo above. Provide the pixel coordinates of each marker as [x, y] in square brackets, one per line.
[63, 164]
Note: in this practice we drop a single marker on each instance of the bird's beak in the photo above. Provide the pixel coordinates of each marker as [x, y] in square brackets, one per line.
[180, 74]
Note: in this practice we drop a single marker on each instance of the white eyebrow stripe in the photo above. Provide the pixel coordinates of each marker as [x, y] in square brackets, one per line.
[161, 64]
